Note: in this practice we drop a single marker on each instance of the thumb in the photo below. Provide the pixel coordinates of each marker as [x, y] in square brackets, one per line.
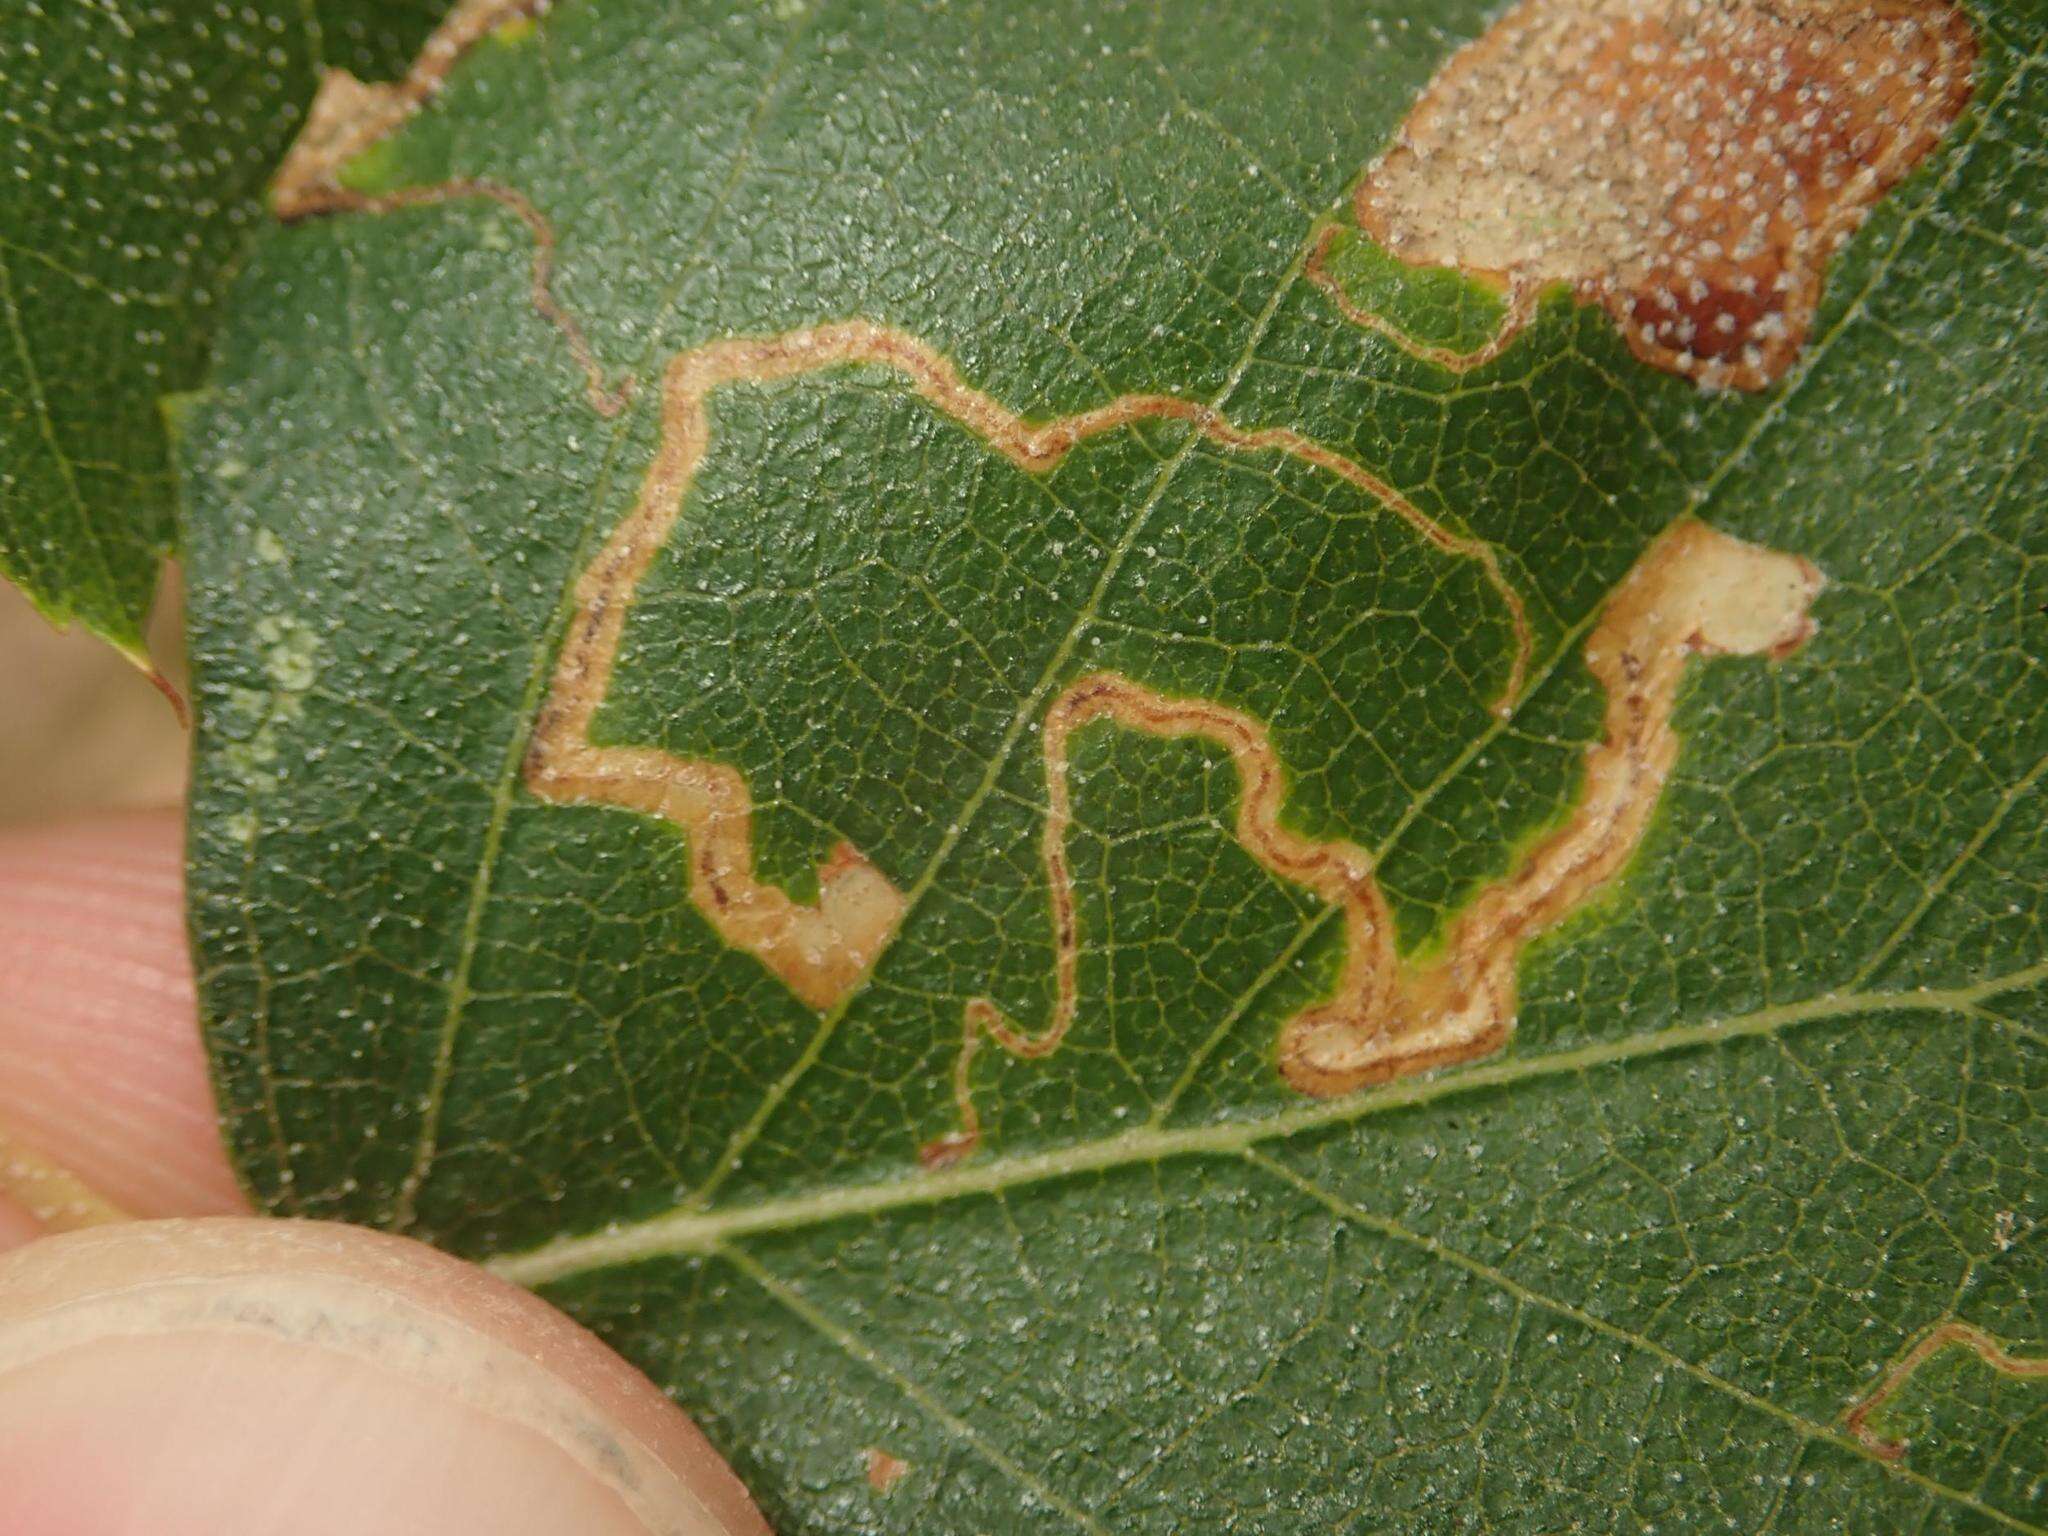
[101, 1070]
[235, 1377]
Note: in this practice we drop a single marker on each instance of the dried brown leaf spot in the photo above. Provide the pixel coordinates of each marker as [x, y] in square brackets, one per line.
[1691, 165]
[884, 1470]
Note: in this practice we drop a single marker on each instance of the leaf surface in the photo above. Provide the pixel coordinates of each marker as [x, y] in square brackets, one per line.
[1054, 860]
[138, 139]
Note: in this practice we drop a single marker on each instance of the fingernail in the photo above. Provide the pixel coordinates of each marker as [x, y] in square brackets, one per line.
[242, 1378]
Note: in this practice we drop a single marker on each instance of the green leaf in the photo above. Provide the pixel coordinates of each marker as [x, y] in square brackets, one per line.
[1012, 514]
[138, 140]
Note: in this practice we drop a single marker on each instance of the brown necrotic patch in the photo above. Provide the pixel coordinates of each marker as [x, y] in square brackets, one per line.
[1696, 592]
[1691, 165]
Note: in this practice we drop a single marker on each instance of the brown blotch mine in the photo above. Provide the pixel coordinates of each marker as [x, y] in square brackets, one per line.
[1691, 165]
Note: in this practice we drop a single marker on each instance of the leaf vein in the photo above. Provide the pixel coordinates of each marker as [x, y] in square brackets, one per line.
[688, 1229]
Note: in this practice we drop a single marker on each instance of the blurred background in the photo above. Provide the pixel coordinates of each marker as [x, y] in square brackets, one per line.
[82, 729]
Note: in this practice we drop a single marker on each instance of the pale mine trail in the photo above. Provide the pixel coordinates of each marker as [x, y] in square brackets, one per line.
[821, 950]
[1694, 592]
[1949, 1335]
[1518, 309]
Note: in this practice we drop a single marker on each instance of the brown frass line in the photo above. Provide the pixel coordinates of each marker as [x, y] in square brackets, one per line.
[348, 117]
[1950, 1335]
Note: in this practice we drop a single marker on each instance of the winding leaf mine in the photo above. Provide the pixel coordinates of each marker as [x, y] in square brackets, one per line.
[1226, 697]
[1697, 592]
[822, 951]
[1990, 1352]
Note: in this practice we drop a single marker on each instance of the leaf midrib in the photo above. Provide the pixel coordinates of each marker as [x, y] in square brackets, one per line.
[716, 1237]
[1241, 1141]
[702, 1232]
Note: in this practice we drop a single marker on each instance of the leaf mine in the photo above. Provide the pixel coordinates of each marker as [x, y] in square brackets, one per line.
[1696, 592]
[1691, 165]
[1150, 787]
[1949, 1335]
[822, 950]
[348, 118]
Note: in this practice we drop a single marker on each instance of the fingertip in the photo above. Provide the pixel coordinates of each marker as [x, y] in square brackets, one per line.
[17, 1225]
[101, 1067]
[236, 1376]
